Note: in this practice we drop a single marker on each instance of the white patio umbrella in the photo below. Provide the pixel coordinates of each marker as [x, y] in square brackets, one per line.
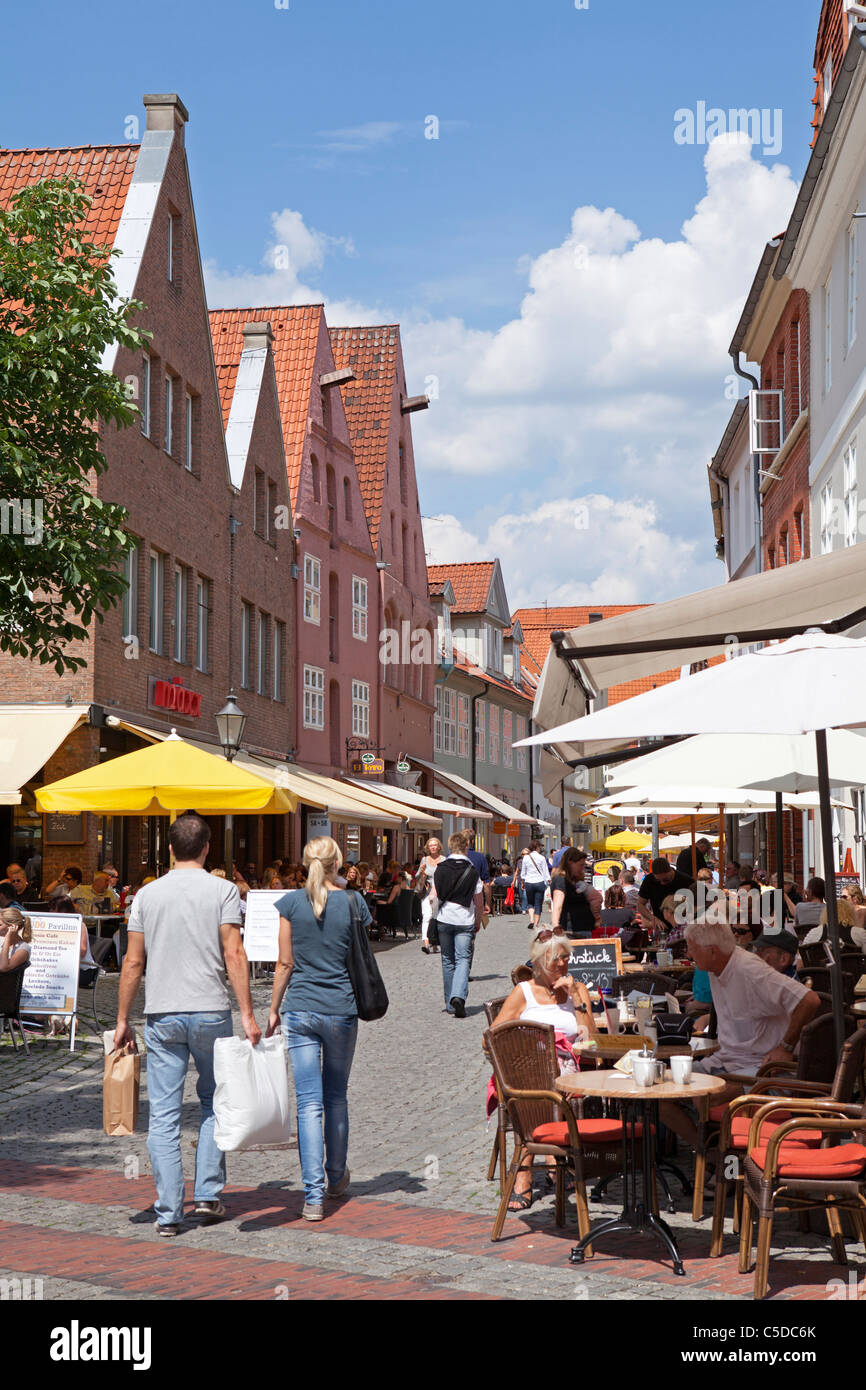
[806, 685]
[769, 762]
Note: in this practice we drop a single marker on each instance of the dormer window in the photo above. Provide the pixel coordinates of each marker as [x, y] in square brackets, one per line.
[516, 666]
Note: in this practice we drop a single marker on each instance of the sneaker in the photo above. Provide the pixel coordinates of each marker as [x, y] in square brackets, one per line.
[337, 1189]
[167, 1231]
[313, 1213]
[425, 948]
[210, 1211]
[459, 1007]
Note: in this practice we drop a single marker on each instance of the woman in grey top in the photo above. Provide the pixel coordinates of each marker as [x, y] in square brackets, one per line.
[319, 1017]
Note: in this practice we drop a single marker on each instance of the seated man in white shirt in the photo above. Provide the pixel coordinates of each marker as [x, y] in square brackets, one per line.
[760, 1014]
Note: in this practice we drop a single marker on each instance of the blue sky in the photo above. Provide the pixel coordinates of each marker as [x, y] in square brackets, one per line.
[318, 111]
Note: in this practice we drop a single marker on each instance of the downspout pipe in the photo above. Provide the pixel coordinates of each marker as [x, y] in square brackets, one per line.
[475, 699]
[756, 465]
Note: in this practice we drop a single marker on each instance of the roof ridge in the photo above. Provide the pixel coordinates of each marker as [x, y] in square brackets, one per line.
[266, 308]
[66, 149]
[363, 327]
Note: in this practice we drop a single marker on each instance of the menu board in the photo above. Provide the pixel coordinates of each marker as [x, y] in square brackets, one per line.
[262, 924]
[51, 979]
[62, 828]
[596, 963]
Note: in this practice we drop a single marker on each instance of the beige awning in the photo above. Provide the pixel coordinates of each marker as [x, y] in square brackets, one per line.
[460, 784]
[420, 802]
[375, 810]
[798, 596]
[29, 736]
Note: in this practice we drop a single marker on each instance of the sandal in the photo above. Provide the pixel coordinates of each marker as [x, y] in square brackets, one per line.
[520, 1201]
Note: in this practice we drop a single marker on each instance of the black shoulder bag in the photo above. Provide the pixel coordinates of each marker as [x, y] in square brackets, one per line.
[433, 924]
[371, 997]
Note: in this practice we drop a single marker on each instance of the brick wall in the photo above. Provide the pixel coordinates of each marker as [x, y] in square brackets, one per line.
[785, 504]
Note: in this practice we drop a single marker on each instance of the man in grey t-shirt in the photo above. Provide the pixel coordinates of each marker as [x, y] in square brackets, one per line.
[186, 926]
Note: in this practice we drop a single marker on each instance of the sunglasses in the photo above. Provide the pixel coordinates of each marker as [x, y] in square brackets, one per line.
[547, 934]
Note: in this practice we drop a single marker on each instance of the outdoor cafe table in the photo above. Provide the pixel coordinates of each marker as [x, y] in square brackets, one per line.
[111, 921]
[860, 1007]
[638, 1106]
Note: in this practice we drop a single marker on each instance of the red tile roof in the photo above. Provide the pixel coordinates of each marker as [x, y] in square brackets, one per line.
[104, 170]
[471, 583]
[374, 355]
[296, 335]
[461, 663]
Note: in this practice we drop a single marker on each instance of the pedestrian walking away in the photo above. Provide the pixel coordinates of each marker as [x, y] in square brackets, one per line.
[186, 927]
[460, 906]
[314, 1002]
[535, 876]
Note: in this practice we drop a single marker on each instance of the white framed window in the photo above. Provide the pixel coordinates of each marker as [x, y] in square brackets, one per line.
[521, 752]
[496, 648]
[157, 600]
[312, 589]
[449, 720]
[262, 655]
[797, 371]
[852, 283]
[314, 697]
[187, 432]
[849, 469]
[277, 663]
[144, 403]
[246, 645]
[169, 407]
[130, 597]
[444, 637]
[463, 726]
[827, 519]
[493, 722]
[507, 738]
[181, 591]
[437, 720]
[480, 730]
[828, 333]
[359, 608]
[360, 709]
[202, 623]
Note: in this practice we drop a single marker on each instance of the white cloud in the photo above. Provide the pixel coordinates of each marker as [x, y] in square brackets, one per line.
[360, 137]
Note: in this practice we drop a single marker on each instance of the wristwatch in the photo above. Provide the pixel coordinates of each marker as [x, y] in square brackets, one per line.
[789, 1047]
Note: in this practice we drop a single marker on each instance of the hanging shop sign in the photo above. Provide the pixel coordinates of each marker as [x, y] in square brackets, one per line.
[368, 766]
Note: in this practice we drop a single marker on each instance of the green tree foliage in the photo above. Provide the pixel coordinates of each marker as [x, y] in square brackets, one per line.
[61, 547]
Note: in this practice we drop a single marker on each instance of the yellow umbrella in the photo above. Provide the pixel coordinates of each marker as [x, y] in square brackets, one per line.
[624, 840]
[166, 777]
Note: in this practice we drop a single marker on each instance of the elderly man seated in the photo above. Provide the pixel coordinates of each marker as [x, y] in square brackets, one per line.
[95, 898]
[778, 949]
[760, 1013]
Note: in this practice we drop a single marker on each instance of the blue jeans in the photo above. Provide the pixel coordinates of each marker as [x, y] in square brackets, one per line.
[170, 1039]
[455, 945]
[321, 1048]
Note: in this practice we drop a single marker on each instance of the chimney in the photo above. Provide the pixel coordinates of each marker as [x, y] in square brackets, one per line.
[257, 336]
[165, 111]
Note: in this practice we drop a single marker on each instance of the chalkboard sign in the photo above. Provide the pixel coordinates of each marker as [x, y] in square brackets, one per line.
[595, 963]
[64, 829]
[846, 881]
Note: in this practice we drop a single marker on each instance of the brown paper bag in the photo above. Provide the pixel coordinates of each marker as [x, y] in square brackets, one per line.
[120, 1086]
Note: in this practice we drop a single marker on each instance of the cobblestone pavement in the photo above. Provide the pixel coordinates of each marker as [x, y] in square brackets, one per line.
[75, 1205]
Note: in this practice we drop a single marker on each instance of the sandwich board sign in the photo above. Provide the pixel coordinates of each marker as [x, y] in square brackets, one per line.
[51, 979]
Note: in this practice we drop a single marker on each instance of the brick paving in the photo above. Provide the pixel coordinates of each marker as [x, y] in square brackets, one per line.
[75, 1206]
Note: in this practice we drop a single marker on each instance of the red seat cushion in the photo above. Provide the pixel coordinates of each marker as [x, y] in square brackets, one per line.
[590, 1131]
[797, 1139]
[717, 1113]
[846, 1161]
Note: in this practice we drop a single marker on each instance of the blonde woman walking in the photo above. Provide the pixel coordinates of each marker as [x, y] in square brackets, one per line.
[433, 857]
[319, 1017]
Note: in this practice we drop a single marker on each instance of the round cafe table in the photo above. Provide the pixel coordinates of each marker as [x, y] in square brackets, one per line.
[860, 1007]
[637, 1105]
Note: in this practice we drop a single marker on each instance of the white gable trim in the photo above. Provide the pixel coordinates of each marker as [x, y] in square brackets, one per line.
[242, 416]
[137, 219]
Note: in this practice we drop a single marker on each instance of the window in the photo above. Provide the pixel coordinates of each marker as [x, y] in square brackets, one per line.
[493, 719]
[784, 553]
[130, 597]
[246, 645]
[449, 720]
[521, 752]
[359, 608]
[496, 648]
[157, 599]
[172, 231]
[331, 485]
[317, 485]
[463, 726]
[314, 698]
[796, 371]
[507, 738]
[202, 623]
[798, 535]
[771, 558]
[262, 655]
[347, 500]
[437, 721]
[828, 334]
[360, 709]
[852, 283]
[827, 519]
[169, 395]
[480, 730]
[181, 591]
[850, 483]
[187, 432]
[312, 589]
[271, 513]
[144, 403]
[277, 665]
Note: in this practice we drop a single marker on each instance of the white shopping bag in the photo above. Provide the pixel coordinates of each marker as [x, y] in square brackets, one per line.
[251, 1102]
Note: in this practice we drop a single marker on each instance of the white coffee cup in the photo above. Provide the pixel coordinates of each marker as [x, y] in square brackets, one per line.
[681, 1070]
[644, 1071]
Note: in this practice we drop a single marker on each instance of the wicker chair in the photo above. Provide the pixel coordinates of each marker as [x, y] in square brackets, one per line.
[782, 1174]
[499, 1154]
[525, 1068]
[818, 978]
[815, 1072]
[11, 982]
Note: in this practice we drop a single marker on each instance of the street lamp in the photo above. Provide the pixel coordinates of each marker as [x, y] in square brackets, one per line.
[230, 722]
